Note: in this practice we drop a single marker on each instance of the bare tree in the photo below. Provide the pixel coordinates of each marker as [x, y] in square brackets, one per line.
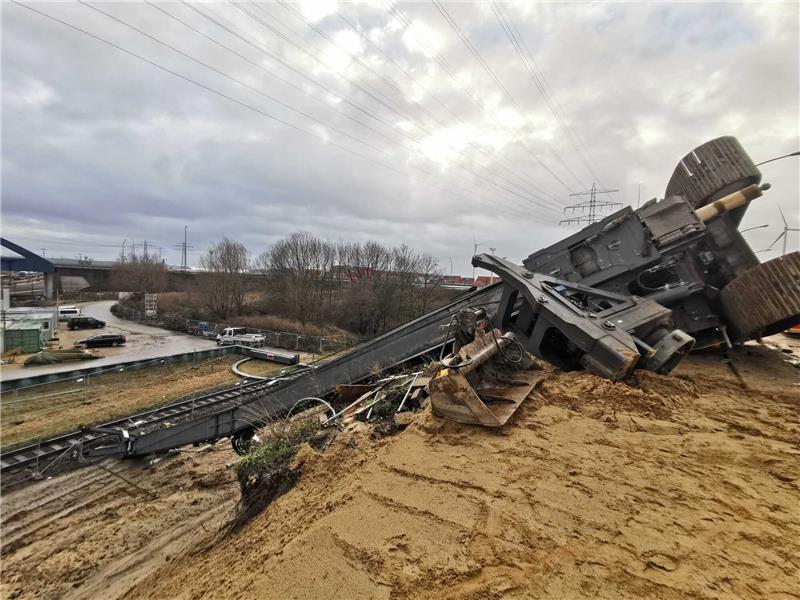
[429, 279]
[296, 265]
[140, 275]
[363, 287]
[223, 284]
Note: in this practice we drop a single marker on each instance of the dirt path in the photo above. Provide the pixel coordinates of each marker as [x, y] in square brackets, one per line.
[91, 534]
[686, 486]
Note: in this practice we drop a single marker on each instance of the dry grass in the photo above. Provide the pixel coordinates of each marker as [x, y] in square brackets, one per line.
[49, 410]
[189, 304]
[275, 323]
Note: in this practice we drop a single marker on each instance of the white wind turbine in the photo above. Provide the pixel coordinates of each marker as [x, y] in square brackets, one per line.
[784, 234]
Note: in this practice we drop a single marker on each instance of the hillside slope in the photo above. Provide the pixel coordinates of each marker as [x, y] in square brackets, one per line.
[683, 487]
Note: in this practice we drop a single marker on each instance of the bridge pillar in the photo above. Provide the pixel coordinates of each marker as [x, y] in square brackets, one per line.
[50, 284]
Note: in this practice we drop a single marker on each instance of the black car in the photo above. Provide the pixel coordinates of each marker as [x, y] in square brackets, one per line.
[85, 323]
[103, 339]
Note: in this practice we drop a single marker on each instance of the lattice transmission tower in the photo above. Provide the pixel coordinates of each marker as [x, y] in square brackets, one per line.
[184, 246]
[589, 209]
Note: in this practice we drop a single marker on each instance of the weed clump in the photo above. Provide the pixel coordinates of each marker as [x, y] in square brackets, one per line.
[264, 473]
[277, 451]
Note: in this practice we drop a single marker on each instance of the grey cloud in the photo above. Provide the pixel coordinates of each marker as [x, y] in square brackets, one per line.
[98, 146]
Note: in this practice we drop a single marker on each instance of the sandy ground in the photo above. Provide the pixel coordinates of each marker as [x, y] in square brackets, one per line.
[91, 534]
[683, 487]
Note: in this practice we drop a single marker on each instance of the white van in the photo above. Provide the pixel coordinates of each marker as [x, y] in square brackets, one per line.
[65, 313]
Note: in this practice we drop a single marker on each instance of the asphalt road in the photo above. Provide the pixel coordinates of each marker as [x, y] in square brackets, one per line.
[143, 342]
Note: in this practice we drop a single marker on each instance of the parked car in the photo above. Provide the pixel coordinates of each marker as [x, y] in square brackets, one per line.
[102, 340]
[85, 323]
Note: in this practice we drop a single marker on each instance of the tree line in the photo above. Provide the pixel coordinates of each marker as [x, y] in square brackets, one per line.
[363, 287]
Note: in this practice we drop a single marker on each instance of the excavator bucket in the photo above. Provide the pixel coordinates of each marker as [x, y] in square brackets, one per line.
[484, 382]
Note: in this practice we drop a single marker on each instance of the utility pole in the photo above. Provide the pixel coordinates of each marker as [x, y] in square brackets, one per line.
[43, 251]
[639, 197]
[122, 255]
[184, 247]
[589, 209]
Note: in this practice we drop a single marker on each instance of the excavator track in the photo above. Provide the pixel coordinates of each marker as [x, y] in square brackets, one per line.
[763, 300]
[711, 171]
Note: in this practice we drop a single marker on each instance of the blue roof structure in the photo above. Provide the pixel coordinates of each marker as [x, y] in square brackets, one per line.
[26, 261]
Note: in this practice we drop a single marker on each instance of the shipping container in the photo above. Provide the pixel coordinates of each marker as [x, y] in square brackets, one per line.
[28, 335]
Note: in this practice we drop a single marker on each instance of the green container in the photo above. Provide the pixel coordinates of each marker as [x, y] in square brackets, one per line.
[28, 335]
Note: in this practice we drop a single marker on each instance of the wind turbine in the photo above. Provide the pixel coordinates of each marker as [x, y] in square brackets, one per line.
[784, 233]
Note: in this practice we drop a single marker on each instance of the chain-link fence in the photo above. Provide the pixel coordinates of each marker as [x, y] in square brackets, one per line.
[274, 339]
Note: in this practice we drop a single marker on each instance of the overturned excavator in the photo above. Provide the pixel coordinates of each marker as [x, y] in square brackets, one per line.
[685, 252]
[637, 290]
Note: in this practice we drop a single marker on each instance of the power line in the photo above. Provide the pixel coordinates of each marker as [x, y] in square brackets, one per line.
[316, 59]
[472, 95]
[478, 57]
[205, 87]
[264, 68]
[234, 79]
[80, 244]
[451, 73]
[428, 131]
[312, 96]
[513, 172]
[526, 56]
[447, 185]
[779, 158]
[300, 16]
[549, 205]
[235, 32]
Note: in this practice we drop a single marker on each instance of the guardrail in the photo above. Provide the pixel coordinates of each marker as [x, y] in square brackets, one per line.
[125, 365]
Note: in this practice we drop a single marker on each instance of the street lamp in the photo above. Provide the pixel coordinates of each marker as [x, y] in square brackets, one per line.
[779, 158]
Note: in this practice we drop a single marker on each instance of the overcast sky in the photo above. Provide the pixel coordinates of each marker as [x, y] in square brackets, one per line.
[401, 131]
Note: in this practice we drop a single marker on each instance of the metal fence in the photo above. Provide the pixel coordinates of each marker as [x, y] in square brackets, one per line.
[81, 370]
[76, 389]
[275, 339]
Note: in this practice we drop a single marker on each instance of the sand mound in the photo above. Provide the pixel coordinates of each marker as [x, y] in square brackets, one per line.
[670, 489]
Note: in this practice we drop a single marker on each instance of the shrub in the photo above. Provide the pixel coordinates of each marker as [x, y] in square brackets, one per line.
[277, 451]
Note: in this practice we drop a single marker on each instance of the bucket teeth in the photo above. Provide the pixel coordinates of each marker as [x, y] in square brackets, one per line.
[477, 386]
